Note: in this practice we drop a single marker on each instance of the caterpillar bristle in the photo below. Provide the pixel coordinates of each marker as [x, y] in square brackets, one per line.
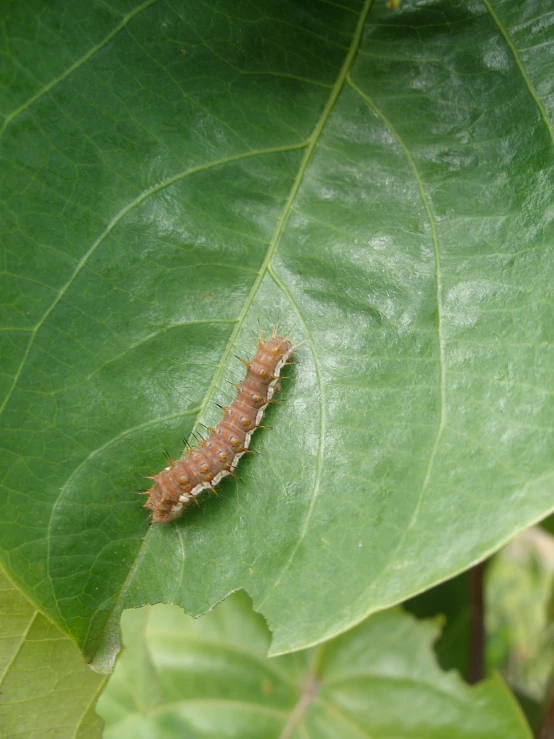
[168, 457]
[244, 361]
[214, 457]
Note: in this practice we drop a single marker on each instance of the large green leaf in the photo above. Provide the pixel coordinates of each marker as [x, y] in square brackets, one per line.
[45, 688]
[380, 183]
[209, 678]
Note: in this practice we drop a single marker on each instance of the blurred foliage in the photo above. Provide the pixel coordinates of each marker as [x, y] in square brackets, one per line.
[185, 677]
[519, 617]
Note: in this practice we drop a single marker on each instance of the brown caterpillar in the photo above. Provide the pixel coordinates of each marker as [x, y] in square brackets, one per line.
[218, 455]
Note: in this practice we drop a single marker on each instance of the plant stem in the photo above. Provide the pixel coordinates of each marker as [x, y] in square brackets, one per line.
[546, 730]
[477, 624]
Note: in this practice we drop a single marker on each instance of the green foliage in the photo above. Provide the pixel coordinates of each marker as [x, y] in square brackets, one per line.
[45, 688]
[380, 183]
[519, 614]
[209, 677]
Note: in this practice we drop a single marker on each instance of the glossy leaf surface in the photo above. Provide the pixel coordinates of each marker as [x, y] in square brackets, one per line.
[381, 184]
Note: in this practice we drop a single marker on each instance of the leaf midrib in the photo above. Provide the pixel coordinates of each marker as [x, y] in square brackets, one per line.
[310, 146]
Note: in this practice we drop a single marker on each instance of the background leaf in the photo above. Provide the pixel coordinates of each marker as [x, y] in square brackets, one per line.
[45, 689]
[519, 622]
[449, 601]
[382, 185]
[206, 677]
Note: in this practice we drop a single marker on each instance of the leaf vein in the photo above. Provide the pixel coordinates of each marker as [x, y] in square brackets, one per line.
[79, 63]
[115, 221]
[510, 44]
[438, 289]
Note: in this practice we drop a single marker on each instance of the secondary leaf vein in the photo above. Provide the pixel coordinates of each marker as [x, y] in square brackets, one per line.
[438, 288]
[79, 63]
[510, 44]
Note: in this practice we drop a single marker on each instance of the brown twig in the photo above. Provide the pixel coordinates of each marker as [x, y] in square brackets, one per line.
[546, 730]
[477, 624]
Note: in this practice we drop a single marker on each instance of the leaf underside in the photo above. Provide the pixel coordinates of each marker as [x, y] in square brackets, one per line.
[45, 687]
[209, 677]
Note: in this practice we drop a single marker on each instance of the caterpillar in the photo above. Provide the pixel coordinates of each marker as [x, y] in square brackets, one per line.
[215, 457]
